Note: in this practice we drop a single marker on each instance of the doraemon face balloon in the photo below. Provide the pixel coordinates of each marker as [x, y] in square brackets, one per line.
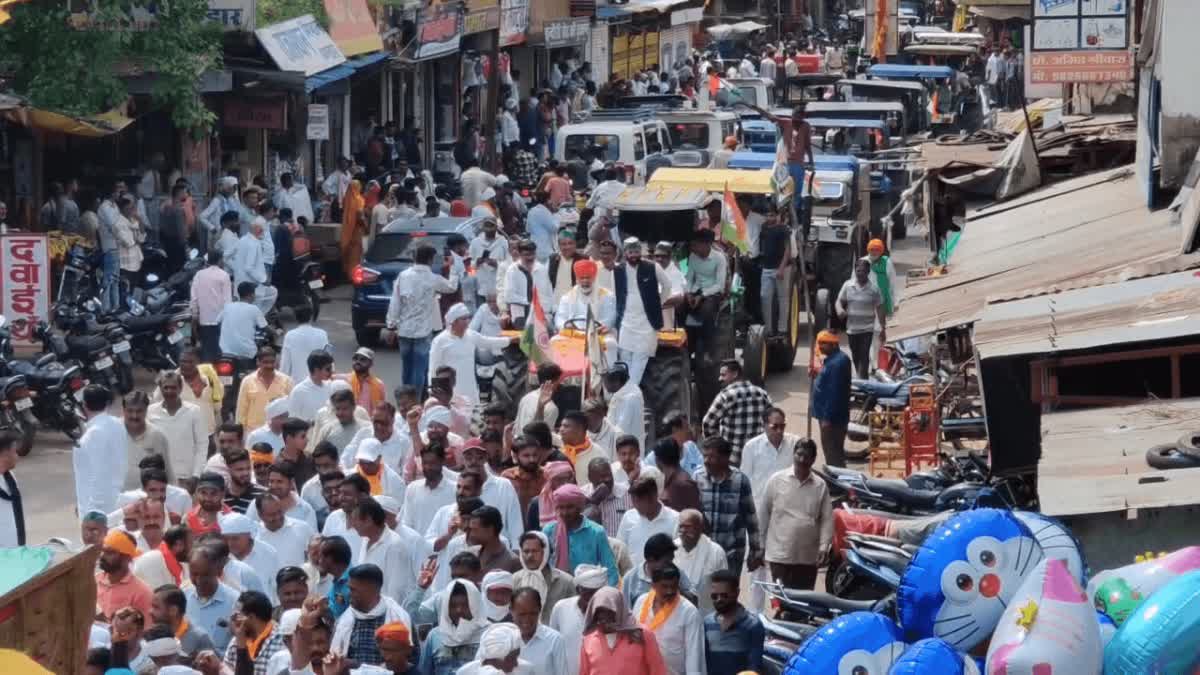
[1049, 627]
[1160, 636]
[964, 575]
[859, 643]
[1119, 592]
[1056, 542]
[933, 655]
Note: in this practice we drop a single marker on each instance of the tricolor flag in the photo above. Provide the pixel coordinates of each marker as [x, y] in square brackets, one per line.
[780, 176]
[597, 363]
[535, 342]
[733, 225]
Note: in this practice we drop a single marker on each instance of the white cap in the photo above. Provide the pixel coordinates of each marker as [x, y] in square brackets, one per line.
[488, 193]
[236, 523]
[287, 622]
[389, 504]
[277, 407]
[369, 450]
[457, 311]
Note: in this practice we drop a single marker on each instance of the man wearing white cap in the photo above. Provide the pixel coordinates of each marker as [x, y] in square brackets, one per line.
[281, 661]
[639, 308]
[250, 265]
[388, 549]
[383, 479]
[499, 650]
[567, 617]
[312, 393]
[488, 249]
[288, 536]
[395, 445]
[240, 535]
[455, 347]
[224, 201]
[486, 208]
[271, 433]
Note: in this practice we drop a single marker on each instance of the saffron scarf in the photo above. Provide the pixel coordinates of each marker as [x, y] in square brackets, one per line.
[660, 617]
[253, 646]
[171, 562]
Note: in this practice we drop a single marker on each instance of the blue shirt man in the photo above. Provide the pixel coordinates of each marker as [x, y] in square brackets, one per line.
[733, 637]
[587, 543]
[339, 595]
[831, 398]
[212, 613]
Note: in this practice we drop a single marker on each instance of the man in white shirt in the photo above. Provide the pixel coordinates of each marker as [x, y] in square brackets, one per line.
[994, 73]
[523, 279]
[538, 405]
[239, 322]
[568, 615]
[223, 202]
[574, 305]
[294, 197]
[395, 443]
[626, 405]
[183, 425]
[382, 479]
[271, 433]
[299, 342]
[386, 548]
[413, 314]
[698, 556]
[681, 632]
[769, 452]
[542, 646]
[456, 346]
[250, 264]
[240, 534]
[429, 493]
[288, 536]
[474, 181]
[487, 250]
[497, 492]
[312, 394]
[648, 517]
[606, 193]
[335, 185]
[542, 226]
[339, 422]
[100, 454]
[601, 431]
[281, 483]
[766, 67]
[352, 490]
[639, 309]
[674, 294]
[510, 131]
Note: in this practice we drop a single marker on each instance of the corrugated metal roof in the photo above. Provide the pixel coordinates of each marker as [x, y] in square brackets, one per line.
[1075, 232]
[1094, 461]
[1148, 309]
[655, 198]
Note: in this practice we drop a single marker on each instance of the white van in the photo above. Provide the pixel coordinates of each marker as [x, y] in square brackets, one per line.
[703, 130]
[626, 136]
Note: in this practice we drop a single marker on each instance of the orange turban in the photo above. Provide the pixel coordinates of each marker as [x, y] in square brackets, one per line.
[585, 269]
[395, 631]
[875, 246]
[122, 542]
[827, 338]
[257, 457]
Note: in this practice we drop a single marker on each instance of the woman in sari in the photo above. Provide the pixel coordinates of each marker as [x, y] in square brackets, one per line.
[613, 642]
[354, 227]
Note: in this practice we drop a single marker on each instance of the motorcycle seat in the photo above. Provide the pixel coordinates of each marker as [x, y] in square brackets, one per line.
[6, 381]
[143, 324]
[896, 563]
[893, 402]
[901, 492]
[86, 344]
[46, 376]
[819, 599]
[879, 389]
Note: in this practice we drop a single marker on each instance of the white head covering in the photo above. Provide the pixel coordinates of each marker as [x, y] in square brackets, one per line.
[457, 311]
[227, 182]
[653, 472]
[534, 578]
[167, 646]
[495, 579]
[277, 407]
[438, 414]
[369, 450]
[467, 630]
[389, 504]
[498, 641]
[488, 193]
[288, 622]
[177, 670]
[236, 523]
[591, 576]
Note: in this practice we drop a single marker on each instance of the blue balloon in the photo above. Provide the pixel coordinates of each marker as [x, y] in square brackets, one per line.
[965, 572]
[1161, 635]
[864, 640]
[933, 655]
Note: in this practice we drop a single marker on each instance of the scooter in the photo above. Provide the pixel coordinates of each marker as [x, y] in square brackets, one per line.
[870, 569]
[782, 639]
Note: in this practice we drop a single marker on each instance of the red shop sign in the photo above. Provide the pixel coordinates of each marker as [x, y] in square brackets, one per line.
[256, 114]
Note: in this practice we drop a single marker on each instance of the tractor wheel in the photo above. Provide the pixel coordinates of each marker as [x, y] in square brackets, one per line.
[754, 354]
[781, 354]
[667, 387]
[511, 379]
[708, 365]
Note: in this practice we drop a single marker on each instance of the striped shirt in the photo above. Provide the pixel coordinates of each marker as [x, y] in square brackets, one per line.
[860, 303]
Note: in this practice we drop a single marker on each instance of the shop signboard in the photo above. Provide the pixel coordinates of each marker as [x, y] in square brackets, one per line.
[439, 30]
[567, 32]
[233, 15]
[514, 22]
[651, 50]
[25, 282]
[634, 59]
[352, 28]
[256, 113]
[300, 44]
[685, 16]
[1080, 41]
[481, 20]
[317, 128]
[620, 56]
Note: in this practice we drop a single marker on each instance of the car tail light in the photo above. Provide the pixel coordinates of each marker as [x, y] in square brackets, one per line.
[224, 368]
[362, 276]
[76, 383]
[775, 604]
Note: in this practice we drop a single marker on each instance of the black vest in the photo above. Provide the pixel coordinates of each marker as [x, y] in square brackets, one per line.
[647, 284]
[555, 261]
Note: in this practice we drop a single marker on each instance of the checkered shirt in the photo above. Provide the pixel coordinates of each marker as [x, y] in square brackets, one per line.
[728, 508]
[736, 415]
[363, 647]
[265, 652]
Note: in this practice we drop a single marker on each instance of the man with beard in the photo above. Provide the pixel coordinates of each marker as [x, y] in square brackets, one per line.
[255, 639]
[116, 585]
[169, 608]
[561, 266]
[368, 390]
[184, 426]
[287, 535]
[527, 477]
[325, 460]
[370, 610]
[242, 489]
[435, 489]
[733, 637]
[497, 492]
[164, 564]
[583, 298]
[674, 620]
[210, 504]
[344, 426]
[259, 388]
[394, 445]
[230, 437]
[334, 563]
[401, 552]
[352, 490]
[142, 438]
[447, 530]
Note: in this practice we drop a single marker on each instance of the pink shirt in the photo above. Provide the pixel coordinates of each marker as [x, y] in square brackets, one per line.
[211, 290]
[628, 656]
[129, 592]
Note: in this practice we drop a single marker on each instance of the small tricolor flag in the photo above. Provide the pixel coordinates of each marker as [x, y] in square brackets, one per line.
[535, 341]
[733, 225]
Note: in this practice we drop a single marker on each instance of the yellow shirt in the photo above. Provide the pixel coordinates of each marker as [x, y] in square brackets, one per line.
[254, 395]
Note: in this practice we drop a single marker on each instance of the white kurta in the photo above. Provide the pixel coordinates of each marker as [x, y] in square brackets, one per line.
[99, 461]
[634, 530]
[761, 460]
[680, 637]
[517, 296]
[178, 501]
[187, 436]
[568, 620]
[546, 652]
[500, 494]
[307, 397]
[626, 410]
[301, 510]
[265, 562]
[400, 556]
[151, 568]
[421, 503]
[290, 541]
[395, 450]
[636, 333]
[264, 434]
[336, 526]
[527, 409]
[573, 308]
[699, 564]
[458, 352]
[606, 437]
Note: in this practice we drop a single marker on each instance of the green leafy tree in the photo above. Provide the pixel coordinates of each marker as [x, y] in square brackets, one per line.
[278, 11]
[61, 65]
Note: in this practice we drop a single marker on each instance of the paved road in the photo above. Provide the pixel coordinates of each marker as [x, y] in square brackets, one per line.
[47, 481]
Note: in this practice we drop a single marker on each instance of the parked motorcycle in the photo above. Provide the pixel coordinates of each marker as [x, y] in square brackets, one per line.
[305, 292]
[42, 392]
[87, 344]
[231, 369]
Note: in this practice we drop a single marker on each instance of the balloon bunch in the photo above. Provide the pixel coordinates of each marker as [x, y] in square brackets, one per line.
[1002, 593]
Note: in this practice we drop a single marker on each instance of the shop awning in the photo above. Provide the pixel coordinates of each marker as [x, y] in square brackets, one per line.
[94, 126]
[1001, 12]
[341, 72]
[636, 7]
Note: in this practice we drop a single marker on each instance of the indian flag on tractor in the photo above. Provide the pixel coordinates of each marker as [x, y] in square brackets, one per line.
[733, 224]
[535, 341]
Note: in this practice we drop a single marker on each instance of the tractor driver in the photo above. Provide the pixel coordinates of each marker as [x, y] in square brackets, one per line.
[573, 308]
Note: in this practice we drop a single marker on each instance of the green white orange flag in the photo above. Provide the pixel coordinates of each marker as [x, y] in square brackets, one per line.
[733, 225]
[535, 342]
